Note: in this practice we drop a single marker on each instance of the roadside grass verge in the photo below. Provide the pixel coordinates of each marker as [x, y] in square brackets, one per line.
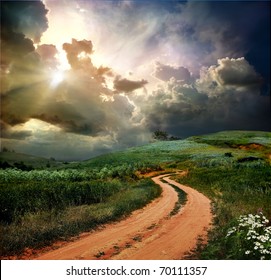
[235, 189]
[42, 228]
[182, 198]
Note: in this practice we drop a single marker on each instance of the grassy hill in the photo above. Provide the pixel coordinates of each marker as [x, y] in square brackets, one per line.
[235, 138]
[240, 144]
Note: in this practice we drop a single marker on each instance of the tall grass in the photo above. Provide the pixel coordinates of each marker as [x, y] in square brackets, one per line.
[42, 227]
[31, 197]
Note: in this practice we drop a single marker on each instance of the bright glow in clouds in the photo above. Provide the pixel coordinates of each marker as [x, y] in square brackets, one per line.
[57, 77]
[38, 125]
[65, 22]
[62, 60]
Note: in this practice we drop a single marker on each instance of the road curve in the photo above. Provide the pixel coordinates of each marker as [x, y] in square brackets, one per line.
[147, 234]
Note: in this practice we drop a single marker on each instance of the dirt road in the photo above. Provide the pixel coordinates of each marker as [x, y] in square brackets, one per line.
[149, 233]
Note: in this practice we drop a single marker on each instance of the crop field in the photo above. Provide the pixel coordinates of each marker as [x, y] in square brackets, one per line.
[233, 169]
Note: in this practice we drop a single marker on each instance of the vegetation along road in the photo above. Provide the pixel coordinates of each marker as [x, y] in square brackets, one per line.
[158, 231]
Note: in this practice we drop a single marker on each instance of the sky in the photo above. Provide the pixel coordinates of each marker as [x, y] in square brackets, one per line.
[81, 78]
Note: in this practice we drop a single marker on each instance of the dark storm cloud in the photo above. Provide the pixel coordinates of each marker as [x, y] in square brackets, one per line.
[69, 124]
[13, 47]
[231, 110]
[254, 34]
[125, 85]
[22, 23]
[8, 132]
[172, 105]
[165, 72]
[19, 104]
[24, 17]
[197, 33]
[68, 117]
[226, 96]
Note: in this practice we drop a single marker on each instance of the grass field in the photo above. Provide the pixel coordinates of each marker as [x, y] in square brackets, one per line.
[56, 201]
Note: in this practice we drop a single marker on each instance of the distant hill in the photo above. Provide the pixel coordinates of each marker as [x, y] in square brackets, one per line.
[24, 161]
[233, 138]
[239, 143]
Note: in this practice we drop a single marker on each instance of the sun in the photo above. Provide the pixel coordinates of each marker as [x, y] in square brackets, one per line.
[57, 77]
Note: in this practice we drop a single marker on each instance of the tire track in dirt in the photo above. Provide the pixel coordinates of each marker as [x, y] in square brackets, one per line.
[148, 233]
[177, 235]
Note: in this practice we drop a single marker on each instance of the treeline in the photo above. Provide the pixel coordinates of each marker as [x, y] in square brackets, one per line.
[18, 165]
[161, 135]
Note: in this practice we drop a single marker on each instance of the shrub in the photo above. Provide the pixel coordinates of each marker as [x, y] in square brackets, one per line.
[229, 154]
[250, 238]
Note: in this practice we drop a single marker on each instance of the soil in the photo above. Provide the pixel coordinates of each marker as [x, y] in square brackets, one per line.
[252, 146]
[147, 234]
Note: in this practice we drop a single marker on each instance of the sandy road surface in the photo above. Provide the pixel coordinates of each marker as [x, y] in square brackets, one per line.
[149, 233]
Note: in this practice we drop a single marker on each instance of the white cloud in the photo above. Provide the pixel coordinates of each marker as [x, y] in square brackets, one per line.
[229, 74]
[236, 72]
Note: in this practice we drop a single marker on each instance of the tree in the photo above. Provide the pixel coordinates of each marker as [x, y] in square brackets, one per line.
[160, 135]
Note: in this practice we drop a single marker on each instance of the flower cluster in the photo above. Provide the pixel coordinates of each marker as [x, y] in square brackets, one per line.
[251, 237]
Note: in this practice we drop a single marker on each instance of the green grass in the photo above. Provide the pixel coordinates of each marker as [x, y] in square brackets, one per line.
[232, 138]
[31, 197]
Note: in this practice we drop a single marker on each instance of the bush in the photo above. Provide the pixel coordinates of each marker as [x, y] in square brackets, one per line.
[229, 154]
[250, 238]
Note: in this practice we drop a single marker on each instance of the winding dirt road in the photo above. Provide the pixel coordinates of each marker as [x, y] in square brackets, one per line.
[149, 233]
